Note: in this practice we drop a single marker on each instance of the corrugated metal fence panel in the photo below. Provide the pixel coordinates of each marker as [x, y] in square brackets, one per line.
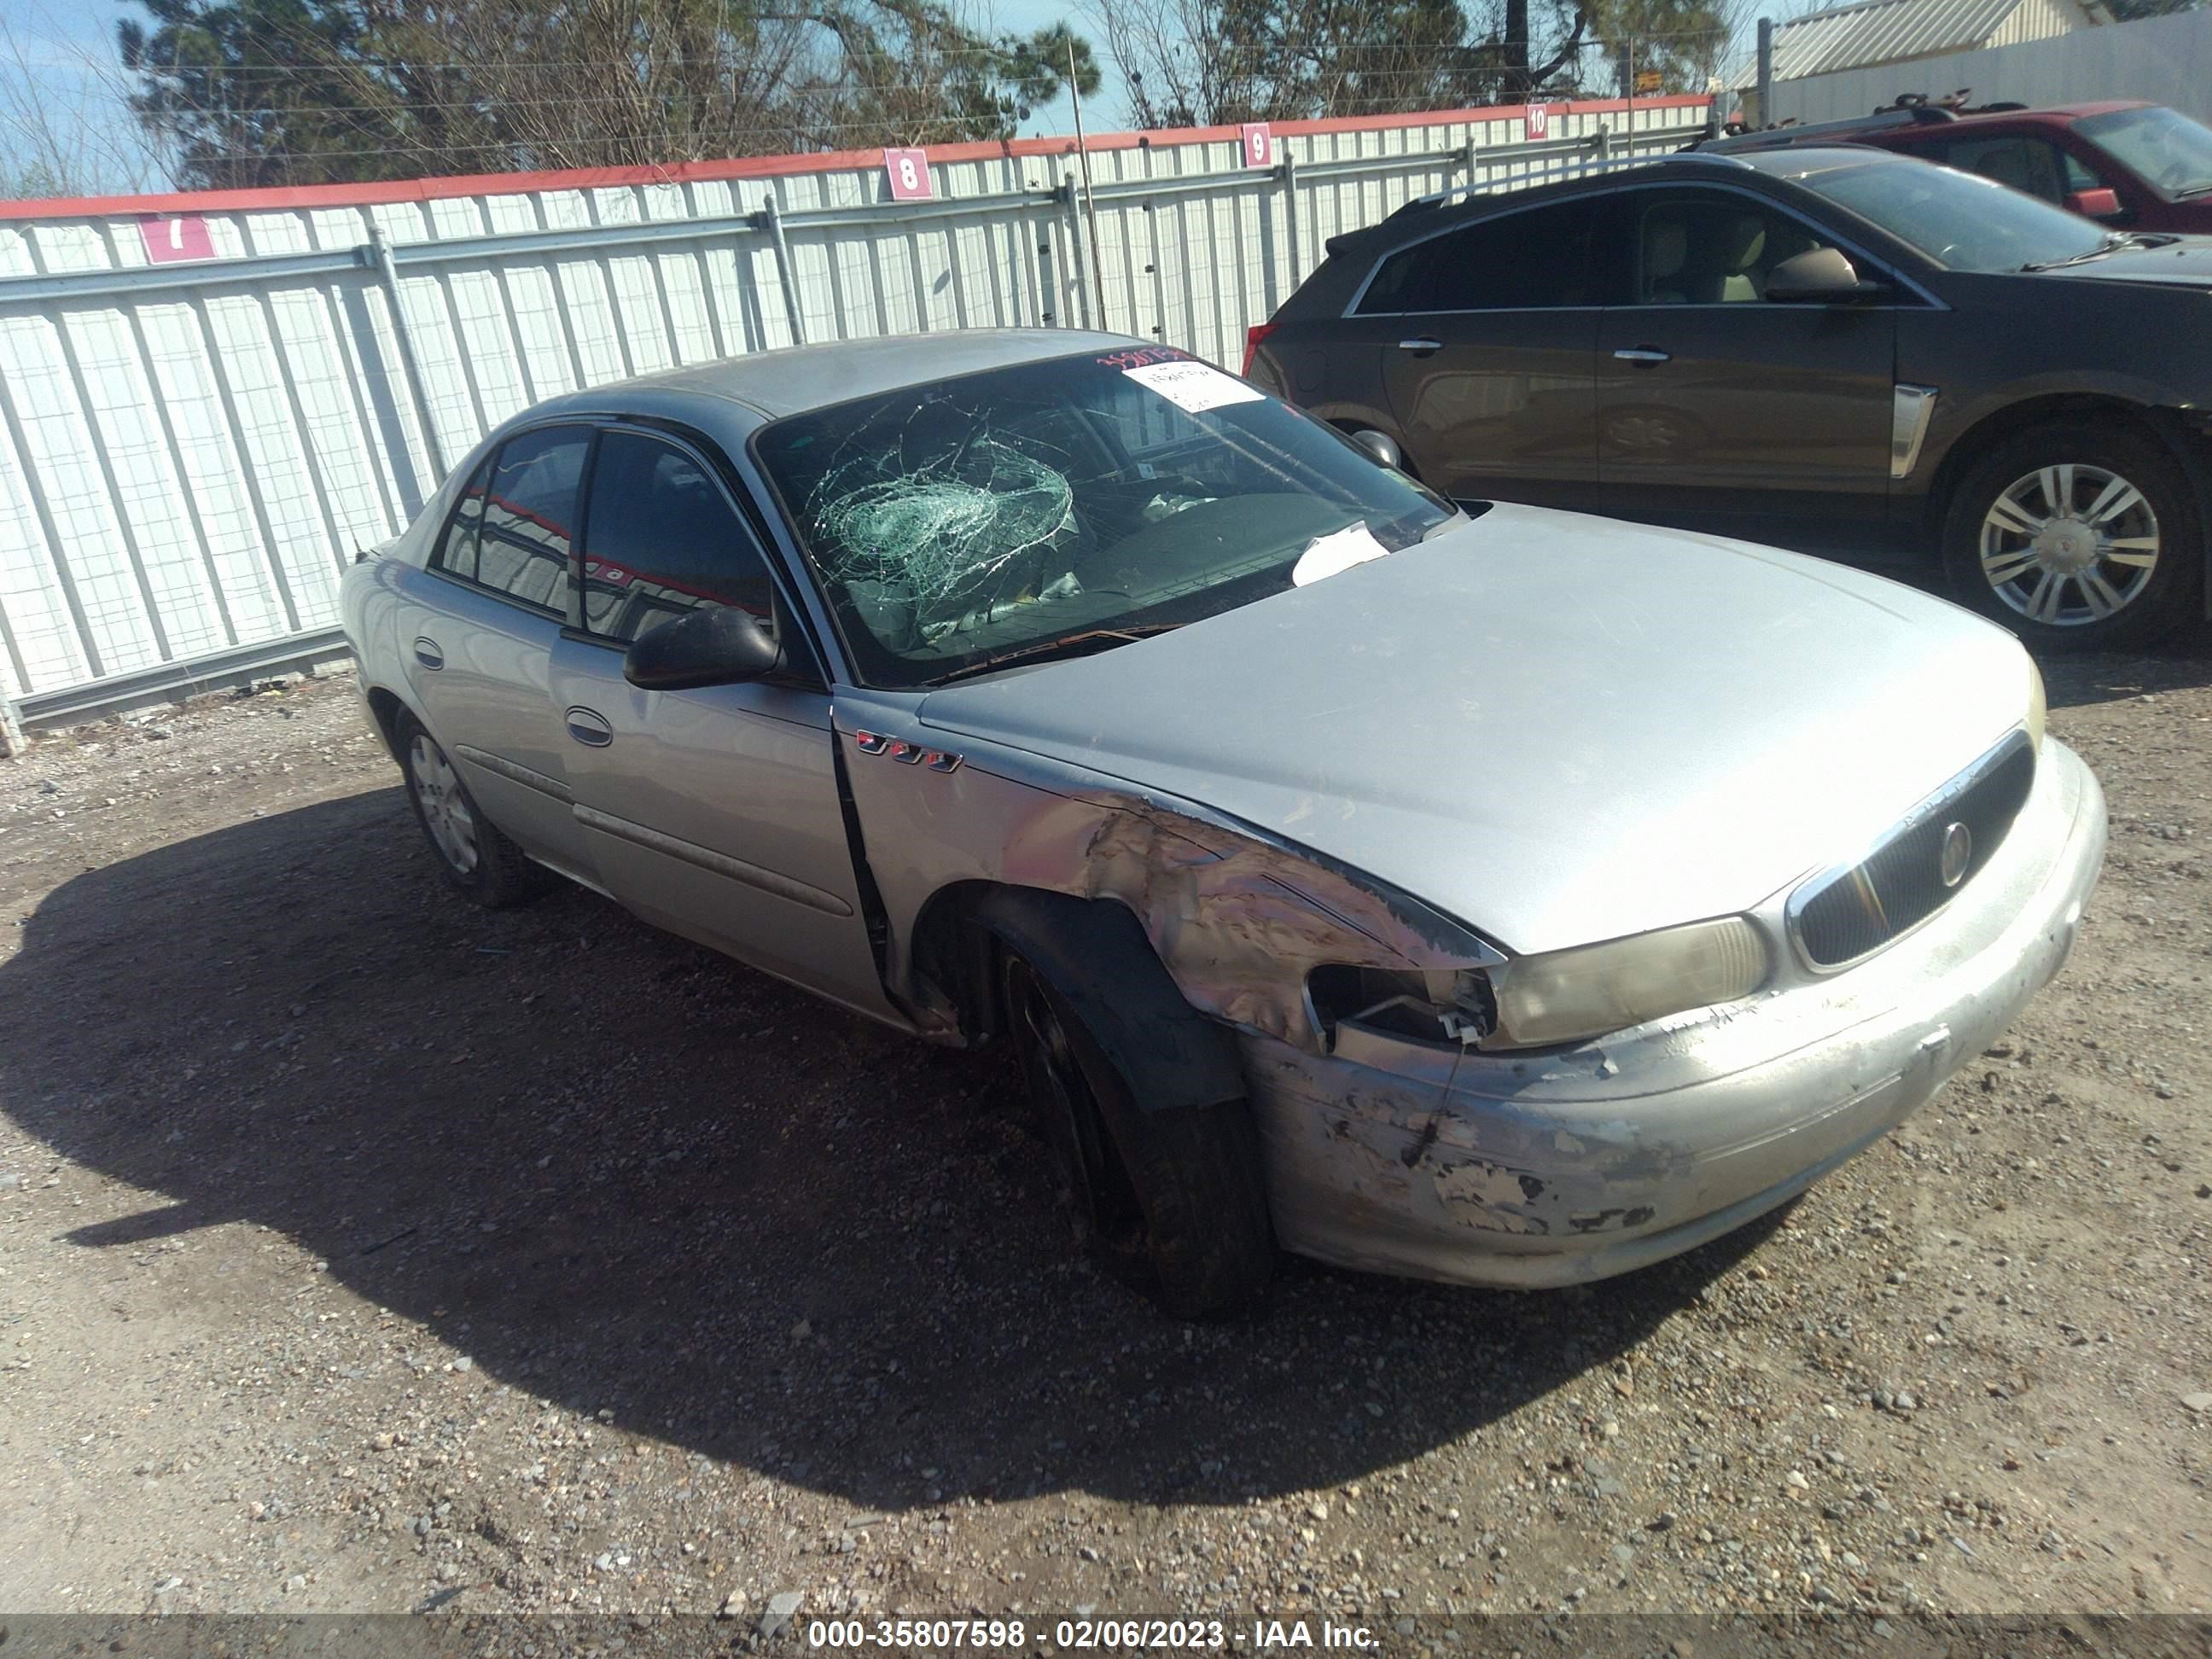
[192, 455]
[2165, 60]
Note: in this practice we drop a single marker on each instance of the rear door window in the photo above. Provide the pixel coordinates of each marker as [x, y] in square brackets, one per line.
[511, 530]
[1538, 259]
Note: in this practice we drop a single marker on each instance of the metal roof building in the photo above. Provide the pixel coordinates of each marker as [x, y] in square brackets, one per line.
[1870, 33]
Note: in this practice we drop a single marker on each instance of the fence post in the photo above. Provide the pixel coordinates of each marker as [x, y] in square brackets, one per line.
[1766, 116]
[772, 221]
[1078, 265]
[1290, 207]
[1602, 143]
[11, 726]
[1471, 158]
[410, 369]
[1044, 270]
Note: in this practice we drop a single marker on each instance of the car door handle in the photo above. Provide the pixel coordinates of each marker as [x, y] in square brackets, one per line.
[427, 652]
[1423, 345]
[1643, 354]
[588, 725]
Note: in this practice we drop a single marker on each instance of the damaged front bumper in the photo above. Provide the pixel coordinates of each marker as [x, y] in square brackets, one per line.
[1530, 1170]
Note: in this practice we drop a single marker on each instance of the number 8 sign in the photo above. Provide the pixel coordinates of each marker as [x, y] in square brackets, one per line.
[908, 172]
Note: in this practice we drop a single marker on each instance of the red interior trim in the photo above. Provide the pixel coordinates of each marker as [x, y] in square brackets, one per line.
[299, 198]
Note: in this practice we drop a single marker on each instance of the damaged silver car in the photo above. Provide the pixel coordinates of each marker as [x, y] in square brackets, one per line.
[1497, 895]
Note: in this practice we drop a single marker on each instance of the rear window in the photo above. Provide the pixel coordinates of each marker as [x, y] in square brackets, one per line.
[1535, 259]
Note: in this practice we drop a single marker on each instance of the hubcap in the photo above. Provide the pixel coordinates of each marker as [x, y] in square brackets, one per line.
[2069, 544]
[445, 809]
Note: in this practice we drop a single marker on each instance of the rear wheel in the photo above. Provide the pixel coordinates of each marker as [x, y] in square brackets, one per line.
[473, 854]
[1171, 1201]
[2078, 537]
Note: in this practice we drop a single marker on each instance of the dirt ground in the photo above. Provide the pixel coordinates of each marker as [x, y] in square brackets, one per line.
[360, 1250]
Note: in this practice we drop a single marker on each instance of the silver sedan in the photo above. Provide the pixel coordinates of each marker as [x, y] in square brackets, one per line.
[1492, 894]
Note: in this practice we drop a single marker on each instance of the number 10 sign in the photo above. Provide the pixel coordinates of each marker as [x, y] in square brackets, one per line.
[908, 172]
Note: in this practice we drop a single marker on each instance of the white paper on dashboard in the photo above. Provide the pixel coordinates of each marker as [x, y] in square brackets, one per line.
[1194, 387]
[1339, 551]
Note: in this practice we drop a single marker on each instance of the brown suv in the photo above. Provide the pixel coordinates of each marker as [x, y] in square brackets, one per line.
[1838, 350]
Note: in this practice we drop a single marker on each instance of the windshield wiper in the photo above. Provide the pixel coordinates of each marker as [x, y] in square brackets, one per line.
[1087, 643]
[2184, 193]
[2111, 244]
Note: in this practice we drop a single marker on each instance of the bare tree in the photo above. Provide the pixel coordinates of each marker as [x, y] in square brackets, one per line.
[298, 91]
[66, 122]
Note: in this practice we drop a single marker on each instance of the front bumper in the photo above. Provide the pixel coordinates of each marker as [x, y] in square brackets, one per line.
[1541, 1170]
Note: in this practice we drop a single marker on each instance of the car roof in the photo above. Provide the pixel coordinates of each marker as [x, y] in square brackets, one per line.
[793, 379]
[1802, 161]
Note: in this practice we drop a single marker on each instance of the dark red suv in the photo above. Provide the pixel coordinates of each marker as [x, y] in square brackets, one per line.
[2142, 167]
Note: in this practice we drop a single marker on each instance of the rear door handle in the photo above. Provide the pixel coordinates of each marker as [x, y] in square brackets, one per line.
[1423, 345]
[1643, 355]
[589, 727]
[427, 652]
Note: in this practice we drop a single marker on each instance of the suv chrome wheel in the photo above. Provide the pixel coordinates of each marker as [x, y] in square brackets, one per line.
[2069, 544]
[444, 805]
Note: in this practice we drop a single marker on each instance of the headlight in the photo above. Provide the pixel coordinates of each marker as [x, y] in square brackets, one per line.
[1596, 988]
[2037, 710]
[1535, 1001]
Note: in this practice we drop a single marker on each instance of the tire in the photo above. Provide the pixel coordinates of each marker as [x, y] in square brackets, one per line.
[472, 853]
[1171, 1202]
[2077, 537]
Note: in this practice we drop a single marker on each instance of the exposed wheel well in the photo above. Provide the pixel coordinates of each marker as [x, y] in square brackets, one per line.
[387, 709]
[1095, 954]
[951, 955]
[2015, 418]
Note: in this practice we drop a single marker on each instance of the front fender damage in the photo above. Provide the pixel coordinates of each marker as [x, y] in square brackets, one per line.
[1237, 919]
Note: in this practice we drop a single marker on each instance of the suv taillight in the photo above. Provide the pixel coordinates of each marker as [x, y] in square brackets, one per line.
[1253, 338]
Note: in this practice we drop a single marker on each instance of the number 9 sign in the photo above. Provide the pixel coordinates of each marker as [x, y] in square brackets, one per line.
[1259, 145]
[909, 172]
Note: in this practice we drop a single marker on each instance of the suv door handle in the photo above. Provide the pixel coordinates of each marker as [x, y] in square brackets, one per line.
[1643, 355]
[588, 725]
[427, 652]
[1423, 345]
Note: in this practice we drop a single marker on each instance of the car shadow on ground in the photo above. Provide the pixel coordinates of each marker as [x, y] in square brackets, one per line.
[621, 1173]
[2092, 677]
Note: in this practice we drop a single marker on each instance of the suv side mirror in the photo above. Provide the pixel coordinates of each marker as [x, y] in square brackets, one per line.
[2102, 203]
[1820, 276]
[715, 645]
[1380, 449]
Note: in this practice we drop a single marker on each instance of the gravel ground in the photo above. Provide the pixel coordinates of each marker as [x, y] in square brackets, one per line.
[362, 1251]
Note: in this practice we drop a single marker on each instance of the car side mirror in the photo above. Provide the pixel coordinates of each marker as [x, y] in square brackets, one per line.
[2102, 203]
[1380, 449]
[715, 645]
[1820, 276]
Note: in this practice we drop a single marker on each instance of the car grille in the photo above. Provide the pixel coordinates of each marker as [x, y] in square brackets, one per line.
[1845, 914]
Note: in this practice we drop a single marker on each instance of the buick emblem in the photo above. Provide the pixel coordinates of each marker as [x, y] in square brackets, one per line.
[1957, 848]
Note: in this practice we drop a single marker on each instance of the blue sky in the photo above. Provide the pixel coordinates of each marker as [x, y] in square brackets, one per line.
[53, 39]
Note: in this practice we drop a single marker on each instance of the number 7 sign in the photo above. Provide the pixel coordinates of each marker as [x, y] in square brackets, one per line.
[908, 172]
[170, 237]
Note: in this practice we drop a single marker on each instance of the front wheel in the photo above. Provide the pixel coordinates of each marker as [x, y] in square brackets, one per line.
[1172, 1201]
[2077, 537]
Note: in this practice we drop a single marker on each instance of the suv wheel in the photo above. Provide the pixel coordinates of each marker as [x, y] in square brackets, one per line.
[2077, 537]
[473, 855]
[1172, 1202]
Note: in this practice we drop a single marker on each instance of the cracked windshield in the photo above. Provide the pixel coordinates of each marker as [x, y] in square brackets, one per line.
[1061, 507]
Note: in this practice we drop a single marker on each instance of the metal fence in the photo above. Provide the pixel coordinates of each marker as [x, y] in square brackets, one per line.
[2167, 60]
[193, 452]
